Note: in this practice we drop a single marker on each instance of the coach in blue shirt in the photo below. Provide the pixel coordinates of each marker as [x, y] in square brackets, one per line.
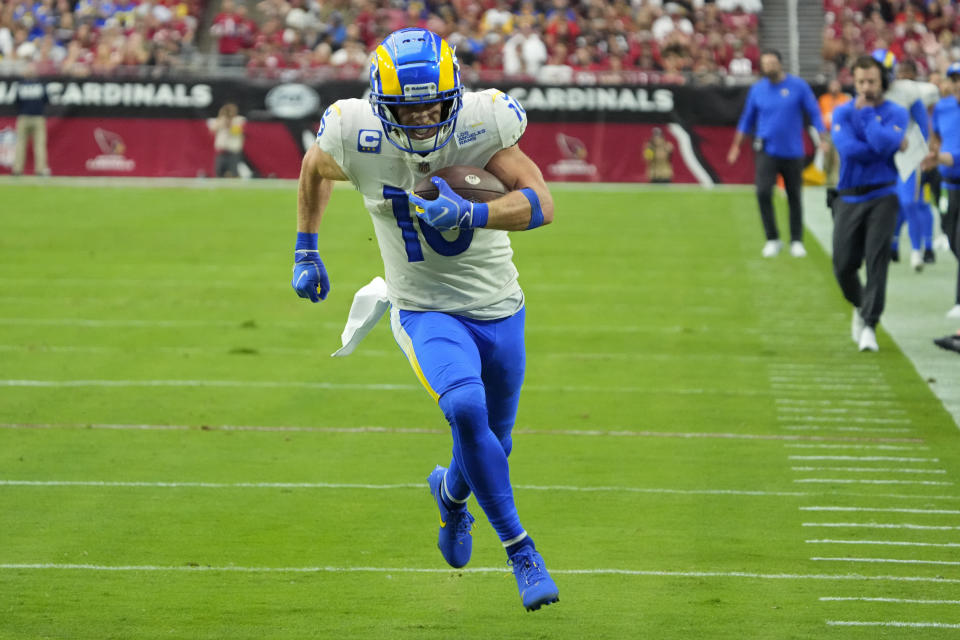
[774, 114]
[945, 151]
[867, 132]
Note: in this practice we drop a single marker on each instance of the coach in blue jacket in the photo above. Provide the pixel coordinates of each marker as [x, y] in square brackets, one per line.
[774, 114]
[867, 132]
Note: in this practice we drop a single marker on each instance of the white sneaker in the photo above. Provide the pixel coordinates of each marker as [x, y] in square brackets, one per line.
[771, 248]
[868, 340]
[954, 312]
[797, 250]
[856, 326]
[916, 260]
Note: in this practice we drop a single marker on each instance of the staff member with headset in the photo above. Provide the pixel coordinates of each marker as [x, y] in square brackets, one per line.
[867, 133]
[774, 114]
[945, 151]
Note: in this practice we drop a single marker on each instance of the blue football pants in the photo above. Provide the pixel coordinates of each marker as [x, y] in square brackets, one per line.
[474, 369]
[915, 212]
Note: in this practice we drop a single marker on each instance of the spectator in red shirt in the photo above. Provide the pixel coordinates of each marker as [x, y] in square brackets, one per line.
[232, 30]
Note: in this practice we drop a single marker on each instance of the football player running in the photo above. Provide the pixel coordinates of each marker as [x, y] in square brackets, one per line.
[457, 310]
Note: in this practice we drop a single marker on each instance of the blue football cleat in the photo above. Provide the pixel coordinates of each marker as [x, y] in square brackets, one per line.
[455, 540]
[536, 586]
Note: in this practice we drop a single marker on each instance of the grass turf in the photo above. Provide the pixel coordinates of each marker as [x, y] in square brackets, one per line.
[677, 386]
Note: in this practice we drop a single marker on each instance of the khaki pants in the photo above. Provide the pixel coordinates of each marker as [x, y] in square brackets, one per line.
[35, 127]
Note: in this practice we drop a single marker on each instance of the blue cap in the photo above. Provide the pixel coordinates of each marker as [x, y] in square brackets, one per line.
[953, 69]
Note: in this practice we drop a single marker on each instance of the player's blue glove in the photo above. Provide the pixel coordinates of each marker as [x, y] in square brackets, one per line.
[449, 211]
[309, 274]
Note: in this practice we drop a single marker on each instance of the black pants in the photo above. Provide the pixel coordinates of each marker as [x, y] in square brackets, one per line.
[862, 231]
[766, 177]
[227, 164]
[950, 223]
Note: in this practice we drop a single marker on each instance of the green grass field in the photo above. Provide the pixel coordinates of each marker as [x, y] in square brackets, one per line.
[700, 452]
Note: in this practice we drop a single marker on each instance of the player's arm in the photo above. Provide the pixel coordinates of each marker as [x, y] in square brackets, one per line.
[812, 109]
[846, 139]
[884, 138]
[318, 172]
[528, 204]
[747, 122]
[935, 156]
[918, 111]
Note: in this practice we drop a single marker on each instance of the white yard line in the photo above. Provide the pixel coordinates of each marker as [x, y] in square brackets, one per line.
[891, 543]
[813, 427]
[333, 386]
[893, 623]
[890, 600]
[866, 458]
[951, 563]
[614, 432]
[481, 570]
[869, 470]
[881, 525]
[882, 447]
[878, 481]
[825, 411]
[380, 487]
[842, 419]
[952, 512]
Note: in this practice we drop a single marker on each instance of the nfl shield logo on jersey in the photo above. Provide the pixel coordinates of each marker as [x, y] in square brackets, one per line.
[368, 141]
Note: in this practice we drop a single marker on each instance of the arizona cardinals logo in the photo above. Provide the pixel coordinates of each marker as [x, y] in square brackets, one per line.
[571, 147]
[109, 142]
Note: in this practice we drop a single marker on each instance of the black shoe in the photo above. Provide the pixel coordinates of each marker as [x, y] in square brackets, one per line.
[929, 257]
[950, 343]
[894, 255]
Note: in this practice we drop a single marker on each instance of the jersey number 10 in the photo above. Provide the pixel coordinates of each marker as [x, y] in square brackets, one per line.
[411, 241]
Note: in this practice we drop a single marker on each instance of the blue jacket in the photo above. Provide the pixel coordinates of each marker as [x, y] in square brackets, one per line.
[31, 98]
[774, 113]
[866, 140]
[946, 124]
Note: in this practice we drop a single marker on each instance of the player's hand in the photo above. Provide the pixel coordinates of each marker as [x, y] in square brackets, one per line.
[309, 275]
[733, 154]
[449, 211]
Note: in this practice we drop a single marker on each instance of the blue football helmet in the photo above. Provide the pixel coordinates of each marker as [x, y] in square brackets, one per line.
[415, 66]
[885, 57]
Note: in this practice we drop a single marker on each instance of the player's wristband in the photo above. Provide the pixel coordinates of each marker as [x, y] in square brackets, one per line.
[306, 241]
[536, 213]
[481, 212]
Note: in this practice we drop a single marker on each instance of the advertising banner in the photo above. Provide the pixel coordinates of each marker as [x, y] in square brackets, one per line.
[579, 134]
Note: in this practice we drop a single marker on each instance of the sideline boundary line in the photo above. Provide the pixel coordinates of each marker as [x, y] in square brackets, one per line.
[619, 433]
[409, 485]
[497, 570]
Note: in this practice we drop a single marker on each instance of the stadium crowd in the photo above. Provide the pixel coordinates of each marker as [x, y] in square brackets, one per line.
[99, 37]
[922, 31]
[614, 41]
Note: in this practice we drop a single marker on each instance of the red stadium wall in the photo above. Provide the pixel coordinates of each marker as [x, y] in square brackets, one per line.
[580, 134]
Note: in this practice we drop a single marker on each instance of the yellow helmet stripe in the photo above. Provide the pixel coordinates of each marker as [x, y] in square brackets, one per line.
[888, 59]
[389, 80]
[445, 81]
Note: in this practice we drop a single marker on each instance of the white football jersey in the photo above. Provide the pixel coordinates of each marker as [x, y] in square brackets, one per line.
[905, 93]
[468, 272]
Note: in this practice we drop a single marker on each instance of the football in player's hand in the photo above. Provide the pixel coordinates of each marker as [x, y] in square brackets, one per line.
[470, 183]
